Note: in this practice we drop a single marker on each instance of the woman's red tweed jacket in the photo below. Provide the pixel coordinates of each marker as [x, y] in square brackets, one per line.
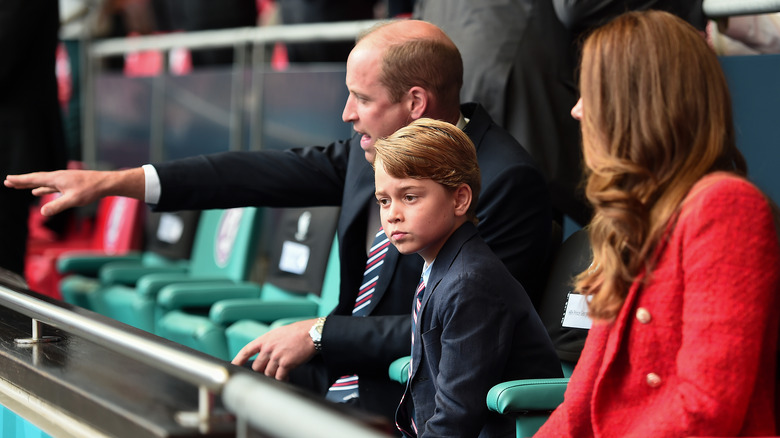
[692, 353]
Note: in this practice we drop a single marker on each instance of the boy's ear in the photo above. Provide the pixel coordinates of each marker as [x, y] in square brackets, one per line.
[462, 198]
[418, 102]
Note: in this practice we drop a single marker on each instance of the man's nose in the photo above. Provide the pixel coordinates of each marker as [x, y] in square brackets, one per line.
[348, 114]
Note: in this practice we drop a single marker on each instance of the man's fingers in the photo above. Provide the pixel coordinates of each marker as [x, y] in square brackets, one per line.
[40, 191]
[244, 354]
[270, 368]
[26, 181]
[260, 363]
[56, 206]
[282, 373]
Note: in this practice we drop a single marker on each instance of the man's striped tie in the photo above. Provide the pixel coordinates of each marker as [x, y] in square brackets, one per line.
[346, 387]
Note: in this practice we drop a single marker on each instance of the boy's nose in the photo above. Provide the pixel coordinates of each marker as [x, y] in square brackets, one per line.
[393, 214]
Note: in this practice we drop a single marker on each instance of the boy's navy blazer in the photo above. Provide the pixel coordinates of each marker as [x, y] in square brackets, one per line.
[476, 328]
[514, 213]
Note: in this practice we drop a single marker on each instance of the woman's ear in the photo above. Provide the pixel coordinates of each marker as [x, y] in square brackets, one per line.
[462, 199]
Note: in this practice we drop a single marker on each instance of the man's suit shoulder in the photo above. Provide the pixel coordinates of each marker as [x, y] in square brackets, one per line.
[493, 143]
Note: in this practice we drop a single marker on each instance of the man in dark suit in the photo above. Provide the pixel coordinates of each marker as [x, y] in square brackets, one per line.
[31, 135]
[394, 75]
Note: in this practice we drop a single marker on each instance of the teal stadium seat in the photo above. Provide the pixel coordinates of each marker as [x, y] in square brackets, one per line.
[531, 401]
[168, 246]
[246, 321]
[302, 279]
[223, 254]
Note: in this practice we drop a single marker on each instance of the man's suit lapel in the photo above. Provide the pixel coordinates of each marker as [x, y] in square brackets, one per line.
[478, 124]
[360, 191]
[354, 215]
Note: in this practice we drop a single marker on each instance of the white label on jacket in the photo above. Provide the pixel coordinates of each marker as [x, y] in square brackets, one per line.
[576, 312]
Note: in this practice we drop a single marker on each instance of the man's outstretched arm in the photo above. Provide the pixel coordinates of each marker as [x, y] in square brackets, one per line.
[80, 187]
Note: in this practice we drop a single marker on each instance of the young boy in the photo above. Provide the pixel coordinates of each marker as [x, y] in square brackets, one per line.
[473, 325]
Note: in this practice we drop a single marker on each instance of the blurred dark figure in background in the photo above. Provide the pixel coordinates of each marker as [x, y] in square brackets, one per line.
[194, 15]
[519, 59]
[31, 135]
[398, 8]
[319, 11]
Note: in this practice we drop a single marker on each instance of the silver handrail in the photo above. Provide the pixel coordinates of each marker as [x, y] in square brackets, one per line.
[246, 397]
[725, 8]
[337, 31]
[291, 33]
[208, 375]
[264, 404]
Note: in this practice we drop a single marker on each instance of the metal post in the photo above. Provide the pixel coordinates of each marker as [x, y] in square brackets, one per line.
[237, 98]
[157, 114]
[256, 105]
[37, 338]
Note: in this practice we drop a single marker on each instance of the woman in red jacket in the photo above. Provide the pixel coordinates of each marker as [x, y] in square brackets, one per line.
[684, 284]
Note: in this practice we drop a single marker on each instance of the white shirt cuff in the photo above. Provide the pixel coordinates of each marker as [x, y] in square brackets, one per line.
[152, 187]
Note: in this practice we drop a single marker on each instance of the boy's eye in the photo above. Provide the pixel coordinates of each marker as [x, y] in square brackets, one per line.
[382, 202]
[410, 198]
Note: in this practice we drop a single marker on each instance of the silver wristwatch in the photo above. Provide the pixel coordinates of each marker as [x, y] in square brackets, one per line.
[316, 333]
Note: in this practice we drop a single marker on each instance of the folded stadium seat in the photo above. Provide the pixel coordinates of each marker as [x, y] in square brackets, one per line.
[167, 248]
[118, 230]
[223, 254]
[531, 401]
[301, 281]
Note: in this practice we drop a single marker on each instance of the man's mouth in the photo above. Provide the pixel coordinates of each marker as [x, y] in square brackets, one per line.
[366, 141]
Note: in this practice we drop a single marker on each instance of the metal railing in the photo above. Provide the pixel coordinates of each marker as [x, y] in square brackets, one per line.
[246, 42]
[291, 33]
[338, 31]
[208, 375]
[726, 8]
[269, 407]
[249, 400]
[249, 46]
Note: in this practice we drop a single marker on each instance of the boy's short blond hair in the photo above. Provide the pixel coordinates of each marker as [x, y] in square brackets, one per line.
[435, 150]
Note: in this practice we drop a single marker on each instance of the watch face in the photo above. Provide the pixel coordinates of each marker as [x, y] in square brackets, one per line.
[316, 333]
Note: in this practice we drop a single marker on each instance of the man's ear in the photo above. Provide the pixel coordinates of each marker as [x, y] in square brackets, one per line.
[462, 198]
[418, 101]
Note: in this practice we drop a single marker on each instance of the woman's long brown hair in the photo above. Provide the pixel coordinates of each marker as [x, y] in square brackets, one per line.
[656, 119]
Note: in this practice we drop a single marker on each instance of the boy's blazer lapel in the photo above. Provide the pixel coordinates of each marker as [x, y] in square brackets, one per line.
[447, 255]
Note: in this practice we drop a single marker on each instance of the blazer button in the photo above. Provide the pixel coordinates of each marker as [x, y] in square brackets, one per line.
[653, 380]
[643, 315]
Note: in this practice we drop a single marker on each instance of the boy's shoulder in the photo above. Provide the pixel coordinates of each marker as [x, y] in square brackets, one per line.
[466, 257]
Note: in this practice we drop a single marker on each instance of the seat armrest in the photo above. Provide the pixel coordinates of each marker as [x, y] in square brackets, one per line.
[228, 311]
[203, 293]
[89, 263]
[287, 321]
[531, 395]
[129, 273]
[150, 285]
[399, 369]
